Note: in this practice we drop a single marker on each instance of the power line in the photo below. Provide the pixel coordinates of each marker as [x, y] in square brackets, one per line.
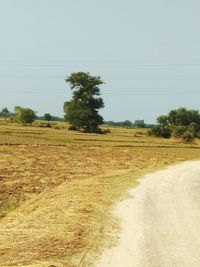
[99, 64]
[107, 92]
[112, 78]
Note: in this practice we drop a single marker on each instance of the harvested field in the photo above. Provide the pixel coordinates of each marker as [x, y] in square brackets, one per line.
[57, 188]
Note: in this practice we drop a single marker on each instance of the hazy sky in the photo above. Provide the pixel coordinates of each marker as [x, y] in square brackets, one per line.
[147, 52]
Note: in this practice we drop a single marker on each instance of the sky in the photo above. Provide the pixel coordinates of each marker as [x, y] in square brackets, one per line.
[147, 52]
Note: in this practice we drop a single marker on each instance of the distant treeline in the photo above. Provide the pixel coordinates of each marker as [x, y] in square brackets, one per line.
[6, 114]
[129, 124]
[53, 118]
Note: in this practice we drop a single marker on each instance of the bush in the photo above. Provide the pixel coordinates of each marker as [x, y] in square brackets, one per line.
[188, 137]
[72, 128]
[96, 131]
[160, 131]
[155, 131]
[178, 131]
[166, 132]
[25, 115]
[194, 128]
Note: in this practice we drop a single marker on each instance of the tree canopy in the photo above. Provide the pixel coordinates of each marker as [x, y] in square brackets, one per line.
[82, 111]
[180, 117]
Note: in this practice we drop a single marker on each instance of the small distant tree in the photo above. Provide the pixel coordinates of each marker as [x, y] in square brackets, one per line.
[47, 117]
[25, 115]
[82, 111]
[127, 124]
[5, 113]
[139, 124]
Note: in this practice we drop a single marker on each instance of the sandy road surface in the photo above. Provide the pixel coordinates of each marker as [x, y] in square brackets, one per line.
[161, 224]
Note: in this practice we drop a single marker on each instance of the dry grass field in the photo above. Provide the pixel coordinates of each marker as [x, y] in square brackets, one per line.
[58, 186]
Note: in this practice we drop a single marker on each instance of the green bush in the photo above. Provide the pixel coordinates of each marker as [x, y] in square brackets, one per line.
[155, 131]
[188, 137]
[178, 131]
[25, 115]
[166, 132]
[160, 131]
[194, 128]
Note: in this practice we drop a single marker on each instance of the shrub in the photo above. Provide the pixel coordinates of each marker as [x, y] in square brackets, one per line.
[160, 131]
[178, 131]
[72, 128]
[188, 137]
[194, 128]
[155, 131]
[166, 132]
[25, 115]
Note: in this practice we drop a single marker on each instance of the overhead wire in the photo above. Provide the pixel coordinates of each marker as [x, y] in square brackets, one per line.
[108, 78]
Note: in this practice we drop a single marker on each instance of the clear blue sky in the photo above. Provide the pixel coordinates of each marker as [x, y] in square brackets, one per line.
[147, 52]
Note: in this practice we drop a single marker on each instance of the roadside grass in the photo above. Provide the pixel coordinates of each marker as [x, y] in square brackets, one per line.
[58, 188]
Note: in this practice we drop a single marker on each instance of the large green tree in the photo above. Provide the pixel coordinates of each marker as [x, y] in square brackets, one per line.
[82, 111]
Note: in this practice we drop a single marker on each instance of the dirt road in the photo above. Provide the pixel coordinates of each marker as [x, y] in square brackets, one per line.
[161, 222]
